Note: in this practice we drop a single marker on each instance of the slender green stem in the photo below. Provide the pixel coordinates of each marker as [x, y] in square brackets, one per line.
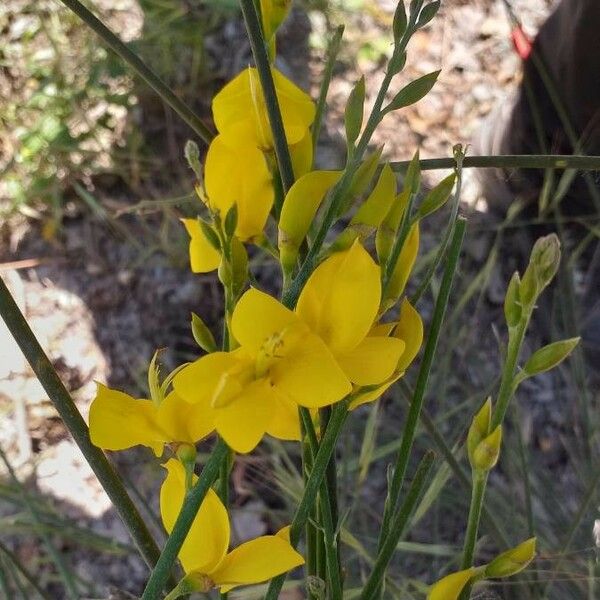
[321, 460]
[332, 560]
[396, 529]
[141, 69]
[310, 529]
[27, 576]
[74, 422]
[509, 161]
[263, 66]
[188, 512]
[70, 585]
[412, 419]
[477, 496]
[447, 233]
[506, 390]
[331, 475]
[332, 53]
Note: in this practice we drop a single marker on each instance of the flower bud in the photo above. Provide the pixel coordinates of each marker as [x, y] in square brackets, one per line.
[450, 587]
[549, 356]
[485, 455]
[512, 303]
[202, 334]
[192, 155]
[480, 428]
[512, 561]
[353, 116]
[546, 258]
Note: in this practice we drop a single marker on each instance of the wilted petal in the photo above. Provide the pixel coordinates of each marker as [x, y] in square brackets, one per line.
[208, 539]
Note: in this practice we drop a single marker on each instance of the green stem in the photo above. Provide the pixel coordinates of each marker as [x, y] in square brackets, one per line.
[329, 522]
[263, 66]
[506, 390]
[477, 496]
[141, 69]
[310, 530]
[416, 404]
[332, 52]
[396, 529]
[321, 460]
[447, 233]
[70, 585]
[509, 161]
[189, 510]
[60, 397]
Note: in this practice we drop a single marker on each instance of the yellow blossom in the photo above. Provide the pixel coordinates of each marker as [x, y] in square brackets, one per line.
[118, 421]
[310, 357]
[240, 112]
[204, 554]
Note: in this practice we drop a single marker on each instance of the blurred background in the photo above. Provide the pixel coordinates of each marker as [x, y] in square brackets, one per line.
[93, 182]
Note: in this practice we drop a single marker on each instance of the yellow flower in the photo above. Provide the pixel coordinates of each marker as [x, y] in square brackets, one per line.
[257, 388]
[118, 421]
[450, 587]
[310, 357]
[408, 329]
[204, 554]
[241, 117]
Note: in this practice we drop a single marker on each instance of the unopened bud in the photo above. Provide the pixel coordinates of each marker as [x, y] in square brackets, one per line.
[192, 155]
[513, 310]
[480, 428]
[545, 256]
[450, 587]
[487, 451]
[512, 561]
[549, 356]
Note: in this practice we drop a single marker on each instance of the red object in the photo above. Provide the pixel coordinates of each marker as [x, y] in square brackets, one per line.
[521, 42]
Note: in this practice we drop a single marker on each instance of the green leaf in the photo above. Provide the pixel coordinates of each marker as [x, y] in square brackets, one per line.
[413, 92]
[231, 220]
[210, 234]
[354, 112]
[202, 334]
[549, 356]
[400, 21]
[428, 13]
[512, 303]
[412, 181]
[437, 197]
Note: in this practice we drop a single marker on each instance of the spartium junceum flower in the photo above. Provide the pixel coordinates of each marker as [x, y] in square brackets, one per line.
[312, 357]
[204, 555]
[118, 421]
[239, 162]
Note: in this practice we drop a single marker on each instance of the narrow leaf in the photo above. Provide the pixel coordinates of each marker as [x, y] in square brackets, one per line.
[413, 92]
[354, 112]
[437, 197]
[400, 21]
[428, 13]
[549, 356]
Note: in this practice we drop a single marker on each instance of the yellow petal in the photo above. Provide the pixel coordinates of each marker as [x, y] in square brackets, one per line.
[118, 421]
[377, 205]
[410, 330]
[257, 317]
[203, 256]
[299, 209]
[186, 422]
[370, 394]
[285, 424]
[301, 154]
[450, 587]
[208, 539]
[308, 374]
[256, 561]
[199, 381]
[341, 298]
[243, 422]
[373, 361]
[241, 103]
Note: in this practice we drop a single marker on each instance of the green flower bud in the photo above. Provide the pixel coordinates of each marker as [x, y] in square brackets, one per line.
[480, 428]
[512, 303]
[549, 356]
[202, 334]
[485, 455]
[192, 155]
[353, 116]
[400, 21]
[545, 257]
[512, 561]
